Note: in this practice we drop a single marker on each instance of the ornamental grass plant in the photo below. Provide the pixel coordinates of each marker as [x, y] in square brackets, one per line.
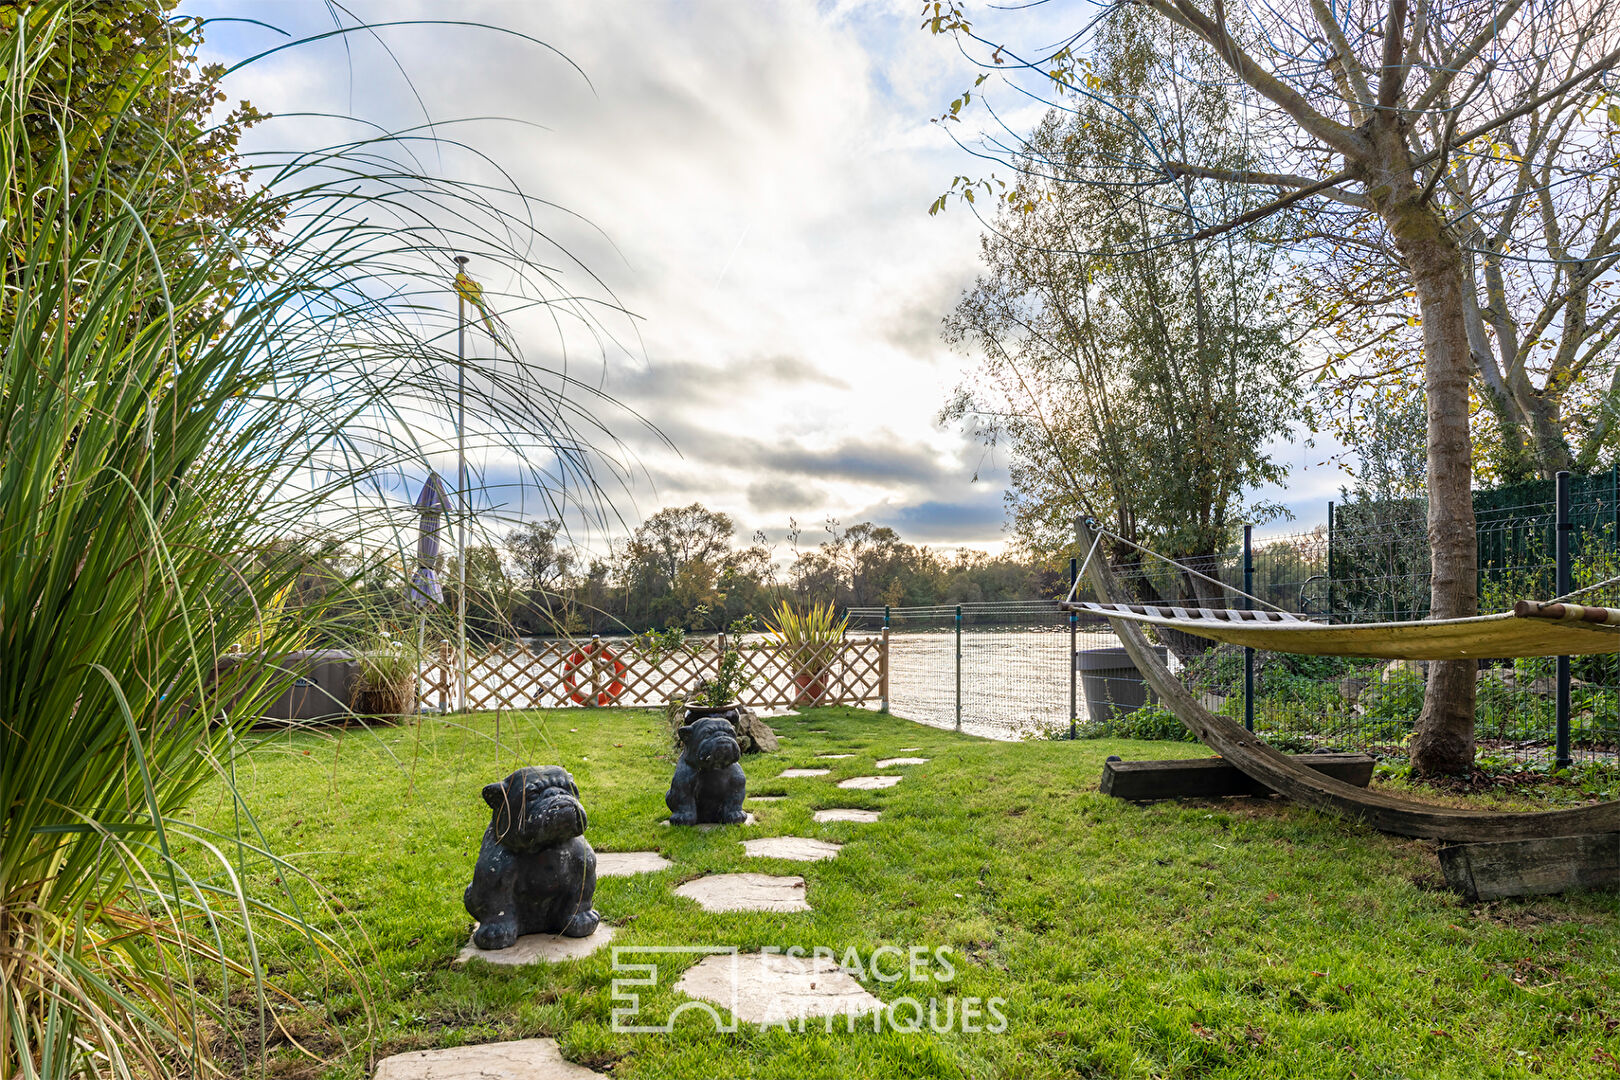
[810, 640]
[202, 354]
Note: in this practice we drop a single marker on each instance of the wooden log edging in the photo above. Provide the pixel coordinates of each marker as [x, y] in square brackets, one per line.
[1492, 871]
[1304, 785]
[1216, 778]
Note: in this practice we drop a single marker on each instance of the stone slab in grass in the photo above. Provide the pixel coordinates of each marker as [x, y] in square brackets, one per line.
[765, 798]
[746, 892]
[707, 825]
[774, 988]
[841, 813]
[889, 763]
[909, 749]
[625, 863]
[525, 1059]
[797, 848]
[869, 783]
[793, 774]
[834, 757]
[538, 949]
[817, 731]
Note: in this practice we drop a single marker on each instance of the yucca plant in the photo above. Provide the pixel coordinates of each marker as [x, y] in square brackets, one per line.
[807, 641]
[200, 356]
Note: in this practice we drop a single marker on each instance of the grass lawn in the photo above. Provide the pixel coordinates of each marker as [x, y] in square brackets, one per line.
[1242, 939]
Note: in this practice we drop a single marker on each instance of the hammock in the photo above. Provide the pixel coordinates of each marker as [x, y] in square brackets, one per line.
[1530, 629]
[1305, 785]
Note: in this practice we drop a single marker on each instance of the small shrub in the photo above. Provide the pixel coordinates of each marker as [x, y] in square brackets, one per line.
[1150, 722]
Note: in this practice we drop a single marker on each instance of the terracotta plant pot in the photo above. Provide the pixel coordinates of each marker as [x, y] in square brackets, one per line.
[812, 687]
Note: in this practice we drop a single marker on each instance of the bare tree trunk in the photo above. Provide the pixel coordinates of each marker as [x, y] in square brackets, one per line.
[1444, 739]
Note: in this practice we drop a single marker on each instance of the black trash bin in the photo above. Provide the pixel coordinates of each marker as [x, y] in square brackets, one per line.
[1111, 683]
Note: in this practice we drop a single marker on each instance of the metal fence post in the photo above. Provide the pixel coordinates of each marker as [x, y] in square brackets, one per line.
[1248, 605]
[1330, 562]
[958, 667]
[1074, 676]
[883, 666]
[1566, 585]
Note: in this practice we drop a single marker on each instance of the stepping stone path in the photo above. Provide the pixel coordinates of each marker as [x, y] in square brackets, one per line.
[834, 757]
[625, 863]
[844, 814]
[746, 892]
[765, 798]
[537, 949]
[869, 783]
[526, 1059]
[909, 749]
[797, 848]
[818, 731]
[707, 825]
[889, 763]
[793, 774]
[773, 988]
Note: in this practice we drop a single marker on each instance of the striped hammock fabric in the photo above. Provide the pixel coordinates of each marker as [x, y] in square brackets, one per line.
[1530, 629]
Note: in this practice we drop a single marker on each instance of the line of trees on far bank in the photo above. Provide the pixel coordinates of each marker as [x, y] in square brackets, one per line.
[684, 566]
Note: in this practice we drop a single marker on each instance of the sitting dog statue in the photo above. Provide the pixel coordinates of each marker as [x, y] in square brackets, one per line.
[535, 873]
[709, 785]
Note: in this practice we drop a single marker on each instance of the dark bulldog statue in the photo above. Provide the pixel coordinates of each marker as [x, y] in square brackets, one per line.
[709, 785]
[535, 872]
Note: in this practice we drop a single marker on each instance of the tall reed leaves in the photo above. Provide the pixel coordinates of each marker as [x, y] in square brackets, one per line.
[179, 392]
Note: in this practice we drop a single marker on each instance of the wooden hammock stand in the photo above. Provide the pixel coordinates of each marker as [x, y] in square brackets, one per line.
[1506, 854]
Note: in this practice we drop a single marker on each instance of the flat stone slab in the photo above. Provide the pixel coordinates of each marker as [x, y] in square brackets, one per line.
[798, 848]
[537, 949]
[817, 731]
[793, 774]
[869, 783]
[909, 749]
[526, 1059]
[625, 863]
[773, 988]
[889, 763]
[746, 892]
[835, 757]
[775, 714]
[705, 826]
[765, 798]
[846, 814]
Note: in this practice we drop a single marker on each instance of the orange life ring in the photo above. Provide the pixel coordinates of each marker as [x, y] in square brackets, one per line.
[578, 659]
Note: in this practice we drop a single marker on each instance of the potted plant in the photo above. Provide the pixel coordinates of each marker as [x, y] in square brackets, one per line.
[719, 694]
[808, 642]
[385, 679]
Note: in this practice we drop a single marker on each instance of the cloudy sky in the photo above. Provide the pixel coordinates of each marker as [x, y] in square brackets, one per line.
[756, 178]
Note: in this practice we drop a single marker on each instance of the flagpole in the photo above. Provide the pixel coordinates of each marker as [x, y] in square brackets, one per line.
[461, 490]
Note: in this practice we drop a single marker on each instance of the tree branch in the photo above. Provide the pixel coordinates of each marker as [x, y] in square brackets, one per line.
[1336, 135]
[1265, 179]
[1392, 75]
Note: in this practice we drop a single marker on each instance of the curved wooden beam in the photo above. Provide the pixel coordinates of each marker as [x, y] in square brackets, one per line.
[1305, 785]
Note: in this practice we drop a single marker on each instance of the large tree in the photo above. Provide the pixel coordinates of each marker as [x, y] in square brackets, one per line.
[1139, 384]
[1368, 105]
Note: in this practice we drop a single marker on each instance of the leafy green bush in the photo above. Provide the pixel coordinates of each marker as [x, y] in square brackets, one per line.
[1152, 721]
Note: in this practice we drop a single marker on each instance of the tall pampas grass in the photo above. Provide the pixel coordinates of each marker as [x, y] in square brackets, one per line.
[175, 402]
